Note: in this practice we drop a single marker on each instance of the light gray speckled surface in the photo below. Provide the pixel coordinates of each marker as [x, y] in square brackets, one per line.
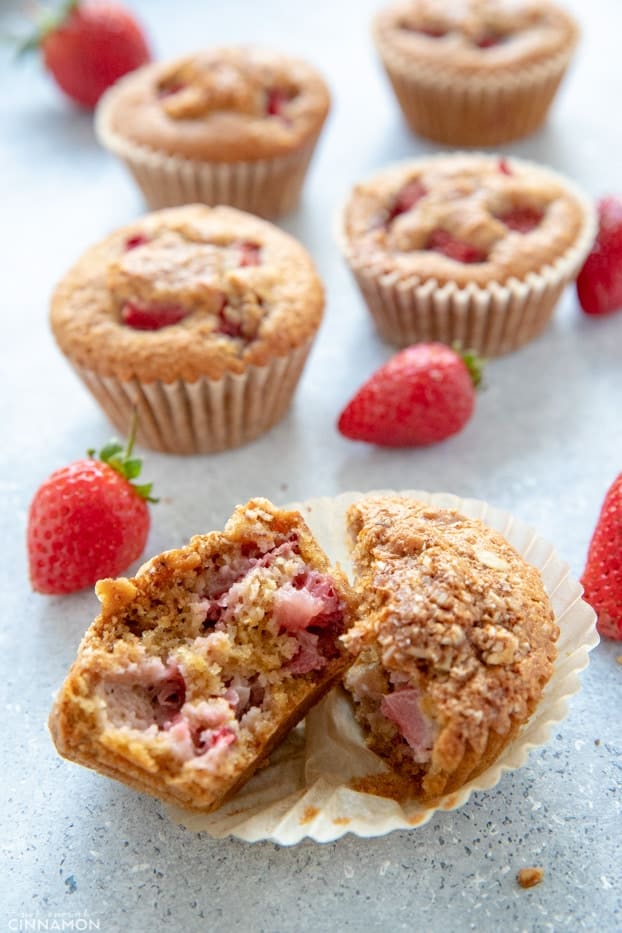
[545, 443]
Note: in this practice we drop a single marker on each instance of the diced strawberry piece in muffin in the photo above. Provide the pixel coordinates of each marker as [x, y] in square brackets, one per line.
[443, 242]
[133, 242]
[522, 219]
[153, 317]
[406, 198]
[250, 254]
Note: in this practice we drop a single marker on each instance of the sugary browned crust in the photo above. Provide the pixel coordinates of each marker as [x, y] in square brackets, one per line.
[277, 304]
[466, 196]
[220, 113]
[450, 610]
[533, 32]
[147, 620]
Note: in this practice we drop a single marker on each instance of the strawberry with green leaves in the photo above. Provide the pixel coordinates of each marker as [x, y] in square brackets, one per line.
[88, 520]
[602, 577]
[87, 45]
[420, 396]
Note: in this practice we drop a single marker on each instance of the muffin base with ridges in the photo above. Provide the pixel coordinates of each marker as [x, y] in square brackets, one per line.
[494, 320]
[268, 188]
[206, 416]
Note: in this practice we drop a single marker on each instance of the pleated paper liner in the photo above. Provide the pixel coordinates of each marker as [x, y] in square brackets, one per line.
[473, 110]
[306, 792]
[266, 187]
[491, 320]
[205, 416]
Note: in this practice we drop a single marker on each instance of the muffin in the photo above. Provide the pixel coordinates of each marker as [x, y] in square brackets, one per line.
[476, 72]
[199, 318]
[453, 645]
[198, 666]
[231, 126]
[470, 248]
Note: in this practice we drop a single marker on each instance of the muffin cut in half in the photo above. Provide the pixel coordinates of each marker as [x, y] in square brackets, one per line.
[454, 643]
[197, 667]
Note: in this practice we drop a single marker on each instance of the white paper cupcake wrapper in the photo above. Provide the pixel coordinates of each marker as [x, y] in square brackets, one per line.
[266, 187]
[491, 320]
[473, 110]
[204, 416]
[304, 791]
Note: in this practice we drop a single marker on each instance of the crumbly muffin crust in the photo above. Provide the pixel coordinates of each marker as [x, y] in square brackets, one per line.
[392, 221]
[241, 293]
[475, 38]
[222, 105]
[454, 642]
[200, 664]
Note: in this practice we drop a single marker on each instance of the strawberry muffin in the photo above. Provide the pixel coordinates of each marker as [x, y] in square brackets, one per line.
[197, 667]
[231, 126]
[466, 248]
[453, 645]
[475, 72]
[199, 318]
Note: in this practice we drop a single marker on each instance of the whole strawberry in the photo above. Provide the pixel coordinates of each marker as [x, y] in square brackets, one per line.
[88, 521]
[88, 45]
[422, 395]
[599, 283]
[602, 577]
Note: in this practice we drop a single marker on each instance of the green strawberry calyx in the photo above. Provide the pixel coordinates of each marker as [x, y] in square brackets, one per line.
[474, 363]
[121, 459]
[47, 22]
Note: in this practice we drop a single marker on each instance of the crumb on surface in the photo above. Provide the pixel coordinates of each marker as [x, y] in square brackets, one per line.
[529, 877]
[619, 659]
[596, 741]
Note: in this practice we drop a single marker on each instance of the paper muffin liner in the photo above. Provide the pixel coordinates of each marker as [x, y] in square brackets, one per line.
[491, 320]
[305, 790]
[205, 416]
[473, 110]
[266, 187]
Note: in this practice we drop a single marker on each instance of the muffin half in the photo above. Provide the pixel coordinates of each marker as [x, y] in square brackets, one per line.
[197, 667]
[453, 645]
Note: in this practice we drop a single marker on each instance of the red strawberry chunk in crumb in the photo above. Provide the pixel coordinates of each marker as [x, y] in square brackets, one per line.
[276, 101]
[504, 167]
[226, 324]
[488, 40]
[308, 657]
[210, 739]
[406, 199]
[138, 239]
[522, 219]
[249, 253]
[443, 242]
[403, 708]
[152, 318]
[169, 91]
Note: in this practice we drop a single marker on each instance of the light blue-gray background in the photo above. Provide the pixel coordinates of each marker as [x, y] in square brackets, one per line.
[545, 443]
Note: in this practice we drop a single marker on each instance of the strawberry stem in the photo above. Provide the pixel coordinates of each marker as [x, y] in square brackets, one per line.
[120, 459]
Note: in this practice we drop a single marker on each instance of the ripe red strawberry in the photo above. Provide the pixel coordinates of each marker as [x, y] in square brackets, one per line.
[422, 395]
[88, 521]
[88, 46]
[602, 577]
[599, 283]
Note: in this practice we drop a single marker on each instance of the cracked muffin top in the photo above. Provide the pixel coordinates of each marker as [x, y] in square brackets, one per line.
[185, 293]
[222, 105]
[476, 37]
[462, 218]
